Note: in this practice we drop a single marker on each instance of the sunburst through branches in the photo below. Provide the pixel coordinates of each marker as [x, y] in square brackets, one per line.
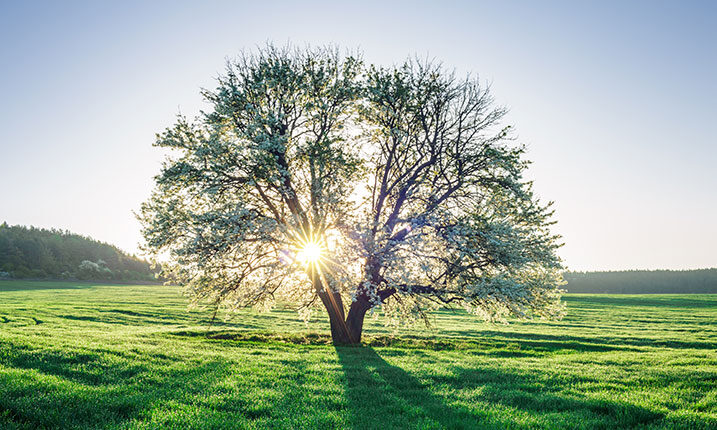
[310, 251]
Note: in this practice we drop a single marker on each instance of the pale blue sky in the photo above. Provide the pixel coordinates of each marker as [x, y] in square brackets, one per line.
[617, 102]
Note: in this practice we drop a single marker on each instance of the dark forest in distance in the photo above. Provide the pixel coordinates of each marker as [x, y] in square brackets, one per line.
[38, 253]
[699, 281]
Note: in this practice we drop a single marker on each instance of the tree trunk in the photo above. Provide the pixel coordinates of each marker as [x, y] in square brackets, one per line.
[354, 320]
[334, 307]
[344, 330]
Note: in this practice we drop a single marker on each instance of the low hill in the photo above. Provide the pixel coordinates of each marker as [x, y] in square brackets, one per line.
[30, 252]
[701, 281]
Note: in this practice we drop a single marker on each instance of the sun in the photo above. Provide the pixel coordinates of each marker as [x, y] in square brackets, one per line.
[310, 252]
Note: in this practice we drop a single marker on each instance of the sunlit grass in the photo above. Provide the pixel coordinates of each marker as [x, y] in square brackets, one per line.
[84, 356]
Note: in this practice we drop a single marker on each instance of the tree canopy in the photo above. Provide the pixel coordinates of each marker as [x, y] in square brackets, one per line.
[317, 179]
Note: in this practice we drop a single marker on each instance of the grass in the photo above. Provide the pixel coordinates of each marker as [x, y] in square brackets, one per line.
[133, 357]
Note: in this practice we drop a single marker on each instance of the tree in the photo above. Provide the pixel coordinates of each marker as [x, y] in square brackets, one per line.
[315, 178]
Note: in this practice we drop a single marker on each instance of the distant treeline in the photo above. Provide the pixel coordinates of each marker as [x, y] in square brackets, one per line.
[702, 281]
[53, 254]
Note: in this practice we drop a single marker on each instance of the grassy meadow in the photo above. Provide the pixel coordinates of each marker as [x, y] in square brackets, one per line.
[133, 357]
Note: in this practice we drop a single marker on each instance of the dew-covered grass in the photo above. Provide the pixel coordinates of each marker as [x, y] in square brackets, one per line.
[128, 357]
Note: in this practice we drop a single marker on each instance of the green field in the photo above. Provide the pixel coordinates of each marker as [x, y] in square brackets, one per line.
[82, 356]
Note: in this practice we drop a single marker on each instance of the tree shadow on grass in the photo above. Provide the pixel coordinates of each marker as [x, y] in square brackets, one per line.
[383, 396]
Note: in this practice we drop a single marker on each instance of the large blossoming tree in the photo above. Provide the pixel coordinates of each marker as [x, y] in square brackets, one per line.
[316, 180]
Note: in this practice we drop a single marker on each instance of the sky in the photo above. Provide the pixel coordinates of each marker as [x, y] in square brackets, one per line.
[616, 102]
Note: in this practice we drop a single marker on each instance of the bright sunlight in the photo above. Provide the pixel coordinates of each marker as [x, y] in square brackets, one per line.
[310, 252]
